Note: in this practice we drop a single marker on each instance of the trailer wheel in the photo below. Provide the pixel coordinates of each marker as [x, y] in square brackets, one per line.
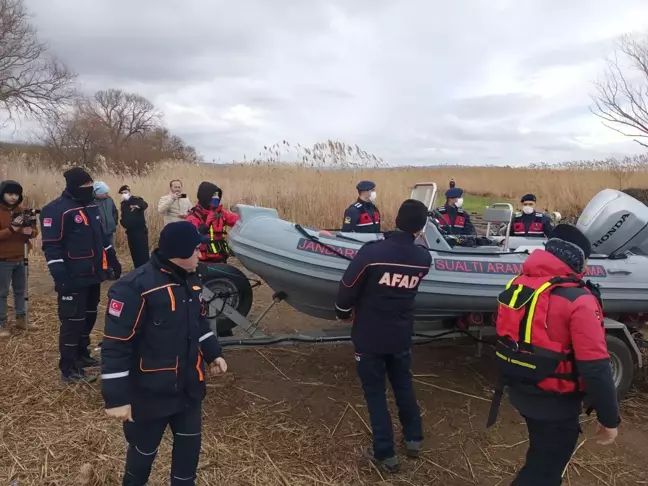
[623, 367]
[228, 282]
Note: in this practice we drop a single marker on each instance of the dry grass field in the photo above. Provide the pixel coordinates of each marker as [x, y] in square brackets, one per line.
[295, 416]
[311, 195]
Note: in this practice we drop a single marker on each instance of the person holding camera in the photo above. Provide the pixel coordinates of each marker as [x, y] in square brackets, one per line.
[174, 206]
[16, 229]
[78, 256]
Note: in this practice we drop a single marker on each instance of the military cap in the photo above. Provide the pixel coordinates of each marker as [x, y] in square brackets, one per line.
[454, 192]
[365, 186]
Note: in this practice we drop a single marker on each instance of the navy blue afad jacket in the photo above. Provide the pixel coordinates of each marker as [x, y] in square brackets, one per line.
[156, 341]
[378, 289]
[76, 247]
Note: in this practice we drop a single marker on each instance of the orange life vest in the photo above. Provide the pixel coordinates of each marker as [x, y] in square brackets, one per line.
[526, 355]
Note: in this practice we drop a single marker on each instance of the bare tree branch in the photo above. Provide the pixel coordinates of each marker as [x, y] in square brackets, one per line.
[32, 82]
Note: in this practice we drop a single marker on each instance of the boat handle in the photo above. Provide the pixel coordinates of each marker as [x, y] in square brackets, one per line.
[624, 272]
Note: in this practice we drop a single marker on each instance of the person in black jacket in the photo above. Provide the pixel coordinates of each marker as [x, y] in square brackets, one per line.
[157, 342]
[377, 291]
[133, 221]
[78, 255]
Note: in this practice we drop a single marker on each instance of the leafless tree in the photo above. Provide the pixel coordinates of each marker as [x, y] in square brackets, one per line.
[124, 127]
[122, 115]
[32, 82]
[618, 100]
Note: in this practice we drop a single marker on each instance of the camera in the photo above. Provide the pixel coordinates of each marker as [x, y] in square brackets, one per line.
[183, 195]
[29, 217]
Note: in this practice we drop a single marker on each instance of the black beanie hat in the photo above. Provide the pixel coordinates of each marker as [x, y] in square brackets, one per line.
[569, 245]
[412, 216]
[123, 188]
[76, 177]
[179, 240]
[573, 235]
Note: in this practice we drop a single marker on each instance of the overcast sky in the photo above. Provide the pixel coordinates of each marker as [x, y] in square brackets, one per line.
[412, 81]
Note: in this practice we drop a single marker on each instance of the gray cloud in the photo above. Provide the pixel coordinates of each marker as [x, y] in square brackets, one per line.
[414, 82]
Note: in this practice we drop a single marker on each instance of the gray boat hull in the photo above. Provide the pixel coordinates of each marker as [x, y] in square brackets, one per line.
[308, 268]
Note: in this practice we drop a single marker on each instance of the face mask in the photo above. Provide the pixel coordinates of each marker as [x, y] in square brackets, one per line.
[528, 209]
[125, 196]
[459, 202]
[82, 194]
[215, 201]
[372, 196]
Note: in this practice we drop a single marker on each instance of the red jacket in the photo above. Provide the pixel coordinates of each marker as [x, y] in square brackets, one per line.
[575, 320]
[214, 223]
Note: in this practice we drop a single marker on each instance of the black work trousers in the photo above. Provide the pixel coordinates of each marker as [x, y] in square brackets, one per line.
[77, 311]
[139, 246]
[373, 371]
[551, 444]
[144, 438]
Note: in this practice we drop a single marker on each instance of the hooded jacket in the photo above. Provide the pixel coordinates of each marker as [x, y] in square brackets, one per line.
[574, 320]
[11, 242]
[211, 220]
[109, 214]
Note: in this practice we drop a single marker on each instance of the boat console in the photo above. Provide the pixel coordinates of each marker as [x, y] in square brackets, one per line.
[615, 223]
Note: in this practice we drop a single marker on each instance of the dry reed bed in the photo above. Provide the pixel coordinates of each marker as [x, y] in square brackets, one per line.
[319, 197]
[305, 428]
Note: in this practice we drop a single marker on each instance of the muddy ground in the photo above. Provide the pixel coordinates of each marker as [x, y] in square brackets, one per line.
[285, 416]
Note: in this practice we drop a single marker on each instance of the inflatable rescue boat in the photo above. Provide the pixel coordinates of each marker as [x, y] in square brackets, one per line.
[306, 264]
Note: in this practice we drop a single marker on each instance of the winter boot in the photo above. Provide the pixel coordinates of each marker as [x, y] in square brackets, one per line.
[388, 465]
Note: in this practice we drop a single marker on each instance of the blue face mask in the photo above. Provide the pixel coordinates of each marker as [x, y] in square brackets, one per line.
[215, 201]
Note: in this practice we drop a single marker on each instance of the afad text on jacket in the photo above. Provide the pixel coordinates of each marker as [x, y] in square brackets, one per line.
[156, 341]
[378, 290]
[550, 338]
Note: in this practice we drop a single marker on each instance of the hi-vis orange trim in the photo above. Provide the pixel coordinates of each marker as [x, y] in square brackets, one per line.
[85, 218]
[139, 316]
[201, 377]
[172, 297]
[195, 287]
[159, 369]
[104, 260]
[159, 288]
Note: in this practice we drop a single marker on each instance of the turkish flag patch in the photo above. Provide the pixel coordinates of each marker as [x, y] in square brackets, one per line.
[47, 222]
[115, 307]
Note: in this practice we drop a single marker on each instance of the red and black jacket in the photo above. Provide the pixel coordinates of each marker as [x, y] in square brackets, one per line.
[213, 222]
[562, 335]
[361, 217]
[531, 225]
[456, 221]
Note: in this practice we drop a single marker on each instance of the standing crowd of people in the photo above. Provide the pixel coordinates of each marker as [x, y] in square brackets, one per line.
[158, 345]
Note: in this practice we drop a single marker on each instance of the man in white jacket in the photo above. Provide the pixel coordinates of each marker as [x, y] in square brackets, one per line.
[174, 206]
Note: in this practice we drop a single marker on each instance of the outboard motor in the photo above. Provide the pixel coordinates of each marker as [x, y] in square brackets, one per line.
[615, 223]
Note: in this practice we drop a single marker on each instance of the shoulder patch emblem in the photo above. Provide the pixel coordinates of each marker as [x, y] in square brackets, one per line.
[47, 222]
[78, 219]
[347, 220]
[115, 307]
